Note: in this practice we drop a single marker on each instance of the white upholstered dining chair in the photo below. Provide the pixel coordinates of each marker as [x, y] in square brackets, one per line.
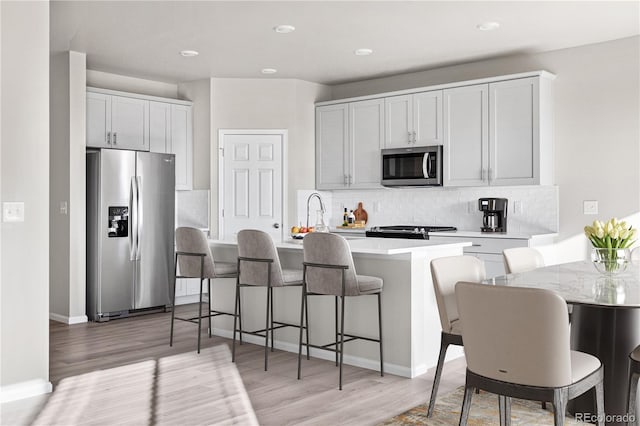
[445, 273]
[517, 346]
[522, 259]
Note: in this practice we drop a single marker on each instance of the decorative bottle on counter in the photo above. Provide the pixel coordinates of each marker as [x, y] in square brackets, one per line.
[345, 218]
[351, 219]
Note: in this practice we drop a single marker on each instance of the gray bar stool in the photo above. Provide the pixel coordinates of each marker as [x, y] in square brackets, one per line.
[259, 266]
[195, 260]
[329, 271]
[634, 375]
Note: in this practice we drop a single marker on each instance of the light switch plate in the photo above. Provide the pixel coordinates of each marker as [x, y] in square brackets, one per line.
[590, 207]
[13, 212]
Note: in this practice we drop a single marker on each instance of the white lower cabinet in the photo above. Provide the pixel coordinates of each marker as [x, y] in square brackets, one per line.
[188, 290]
[489, 249]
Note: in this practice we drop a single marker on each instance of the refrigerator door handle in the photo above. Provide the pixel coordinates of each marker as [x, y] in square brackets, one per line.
[133, 206]
[139, 213]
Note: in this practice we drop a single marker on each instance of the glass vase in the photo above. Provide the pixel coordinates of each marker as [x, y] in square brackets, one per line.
[610, 261]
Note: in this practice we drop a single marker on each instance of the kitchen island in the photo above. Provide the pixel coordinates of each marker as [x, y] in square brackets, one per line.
[410, 321]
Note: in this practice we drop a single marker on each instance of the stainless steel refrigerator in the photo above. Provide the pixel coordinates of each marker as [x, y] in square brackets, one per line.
[130, 231]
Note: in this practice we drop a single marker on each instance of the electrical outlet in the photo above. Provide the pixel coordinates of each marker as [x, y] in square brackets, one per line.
[63, 207]
[472, 206]
[13, 212]
[376, 206]
[590, 207]
[517, 207]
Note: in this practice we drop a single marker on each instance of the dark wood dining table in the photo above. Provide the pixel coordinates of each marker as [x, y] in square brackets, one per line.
[605, 322]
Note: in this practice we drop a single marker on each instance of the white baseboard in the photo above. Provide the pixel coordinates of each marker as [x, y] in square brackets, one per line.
[68, 320]
[370, 364]
[24, 390]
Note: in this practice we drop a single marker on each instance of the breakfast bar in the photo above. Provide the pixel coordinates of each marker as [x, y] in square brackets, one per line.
[410, 321]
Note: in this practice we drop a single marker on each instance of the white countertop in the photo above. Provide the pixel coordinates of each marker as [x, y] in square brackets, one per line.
[507, 235]
[379, 246]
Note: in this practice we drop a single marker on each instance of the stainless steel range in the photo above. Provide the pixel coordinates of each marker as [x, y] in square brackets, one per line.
[406, 231]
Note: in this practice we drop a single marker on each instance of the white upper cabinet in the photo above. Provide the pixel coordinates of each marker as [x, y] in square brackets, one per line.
[413, 120]
[98, 120]
[182, 145]
[466, 136]
[348, 142]
[170, 130]
[514, 143]
[117, 122]
[494, 131]
[499, 134]
[332, 145]
[366, 135]
[143, 123]
[160, 127]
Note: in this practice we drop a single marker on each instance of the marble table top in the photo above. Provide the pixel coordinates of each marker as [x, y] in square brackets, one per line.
[581, 283]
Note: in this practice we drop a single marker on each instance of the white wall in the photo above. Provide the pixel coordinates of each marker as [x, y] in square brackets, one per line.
[597, 125]
[268, 104]
[105, 80]
[67, 185]
[199, 92]
[24, 170]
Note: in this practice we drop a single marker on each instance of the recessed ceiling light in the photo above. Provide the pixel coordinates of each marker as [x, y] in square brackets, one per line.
[189, 53]
[488, 26]
[363, 52]
[284, 29]
[269, 71]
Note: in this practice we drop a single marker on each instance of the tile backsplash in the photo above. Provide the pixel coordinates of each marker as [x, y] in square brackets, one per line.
[442, 206]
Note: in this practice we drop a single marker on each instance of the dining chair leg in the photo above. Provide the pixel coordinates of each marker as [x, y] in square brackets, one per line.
[559, 407]
[209, 300]
[380, 333]
[504, 406]
[200, 314]
[173, 299]
[600, 403]
[436, 380]
[302, 306]
[336, 324]
[341, 336]
[235, 319]
[466, 405]
[266, 328]
[633, 391]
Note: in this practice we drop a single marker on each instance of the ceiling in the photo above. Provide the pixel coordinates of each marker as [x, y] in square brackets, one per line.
[236, 38]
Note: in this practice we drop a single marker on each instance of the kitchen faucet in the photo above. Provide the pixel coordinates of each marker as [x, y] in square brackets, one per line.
[322, 209]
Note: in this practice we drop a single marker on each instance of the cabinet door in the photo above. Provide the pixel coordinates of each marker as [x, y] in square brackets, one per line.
[129, 123]
[182, 145]
[514, 144]
[366, 133]
[398, 121]
[331, 146]
[466, 136]
[98, 120]
[427, 118]
[160, 127]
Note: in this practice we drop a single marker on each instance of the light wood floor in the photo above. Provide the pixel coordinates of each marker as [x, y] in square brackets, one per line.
[277, 396]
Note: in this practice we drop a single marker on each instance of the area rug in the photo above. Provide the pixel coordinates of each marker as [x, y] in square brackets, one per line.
[484, 411]
[184, 389]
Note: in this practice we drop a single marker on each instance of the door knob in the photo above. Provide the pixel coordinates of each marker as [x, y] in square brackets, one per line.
[276, 225]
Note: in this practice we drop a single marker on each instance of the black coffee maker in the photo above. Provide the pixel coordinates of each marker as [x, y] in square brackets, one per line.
[495, 214]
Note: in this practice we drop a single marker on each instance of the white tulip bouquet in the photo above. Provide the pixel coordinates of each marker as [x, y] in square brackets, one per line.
[609, 239]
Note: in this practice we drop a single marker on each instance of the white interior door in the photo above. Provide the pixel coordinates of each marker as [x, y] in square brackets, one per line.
[251, 183]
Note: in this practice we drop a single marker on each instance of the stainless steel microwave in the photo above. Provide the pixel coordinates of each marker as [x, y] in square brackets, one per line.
[415, 166]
